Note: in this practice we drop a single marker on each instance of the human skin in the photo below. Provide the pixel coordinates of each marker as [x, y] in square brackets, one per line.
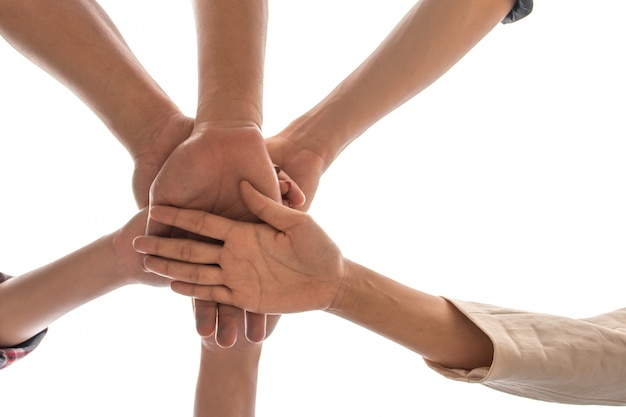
[239, 386]
[430, 39]
[226, 144]
[76, 42]
[299, 149]
[291, 265]
[32, 301]
[65, 284]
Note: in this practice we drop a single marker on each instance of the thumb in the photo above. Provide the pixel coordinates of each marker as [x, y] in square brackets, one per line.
[269, 211]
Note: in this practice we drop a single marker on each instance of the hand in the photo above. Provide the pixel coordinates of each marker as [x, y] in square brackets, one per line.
[287, 265]
[203, 173]
[292, 196]
[304, 165]
[291, 193]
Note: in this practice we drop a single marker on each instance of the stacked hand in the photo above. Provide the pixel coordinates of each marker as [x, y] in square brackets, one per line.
[304, 165]
[203, 173]
[286, 265]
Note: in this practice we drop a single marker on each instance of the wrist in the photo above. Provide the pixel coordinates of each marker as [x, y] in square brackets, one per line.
[227, 113]
[237, 373]
[140, 123]
[220, 124]
[122, 274]
[242, 351]
[321, 132]
[158, 132]
[347, 293]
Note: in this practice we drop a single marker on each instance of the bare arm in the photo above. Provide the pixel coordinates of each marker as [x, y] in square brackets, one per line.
[226, 144]
[231, 54]
[424, 323]
[76, 42]
[290, 265]
[431, 38]
[227, 380]
[32, 301]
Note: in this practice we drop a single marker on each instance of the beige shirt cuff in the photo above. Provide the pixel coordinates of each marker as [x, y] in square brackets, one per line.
[548, 357]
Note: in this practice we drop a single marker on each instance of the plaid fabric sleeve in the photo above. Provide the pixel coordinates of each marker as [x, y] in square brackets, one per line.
[9, 355]
[521, 9]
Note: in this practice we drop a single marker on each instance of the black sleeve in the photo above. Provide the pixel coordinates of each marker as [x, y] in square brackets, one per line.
[521, 9]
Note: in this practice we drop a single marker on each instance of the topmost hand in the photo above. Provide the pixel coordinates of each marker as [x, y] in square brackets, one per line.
[204, 172]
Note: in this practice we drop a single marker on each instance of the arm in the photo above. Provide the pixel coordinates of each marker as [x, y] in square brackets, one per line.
[236, 369]
[32, 301]
[290, 265]
[548, 357]
[431, 38]
[299, 268]
[226, 144]
[231, 55]
[77, 43]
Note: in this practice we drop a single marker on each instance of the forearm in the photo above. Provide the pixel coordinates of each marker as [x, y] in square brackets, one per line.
[426, 324]
[231, 53]
[227, 381]
[430, 39]
[30, 302]
[77, 43]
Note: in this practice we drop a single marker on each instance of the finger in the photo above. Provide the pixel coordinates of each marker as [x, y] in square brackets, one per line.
[291, 191]
[195, 221]
[255, 327]
[229, 319]
[216, 294]
[284, 186]
[182, 271]
[272, 213]
[154, 228]
[206, 316]
[187, 250]
[271, 322]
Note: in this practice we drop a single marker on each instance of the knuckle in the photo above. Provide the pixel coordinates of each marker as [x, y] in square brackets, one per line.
[185, 251]
[196, 275]
[199, 223]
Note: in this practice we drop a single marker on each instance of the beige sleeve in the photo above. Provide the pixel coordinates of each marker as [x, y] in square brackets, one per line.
[548, 357]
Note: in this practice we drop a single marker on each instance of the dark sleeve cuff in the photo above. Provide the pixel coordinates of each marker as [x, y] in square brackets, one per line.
[521, 9]
[11, 354]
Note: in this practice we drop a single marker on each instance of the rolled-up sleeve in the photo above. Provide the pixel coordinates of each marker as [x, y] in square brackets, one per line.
[550, 358]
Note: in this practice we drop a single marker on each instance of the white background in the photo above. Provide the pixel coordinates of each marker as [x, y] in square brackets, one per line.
[501, 183]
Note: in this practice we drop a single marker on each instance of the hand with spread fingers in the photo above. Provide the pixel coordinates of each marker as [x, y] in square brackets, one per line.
[286, 265]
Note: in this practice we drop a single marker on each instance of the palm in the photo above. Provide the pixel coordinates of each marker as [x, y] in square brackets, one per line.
[270, 274]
